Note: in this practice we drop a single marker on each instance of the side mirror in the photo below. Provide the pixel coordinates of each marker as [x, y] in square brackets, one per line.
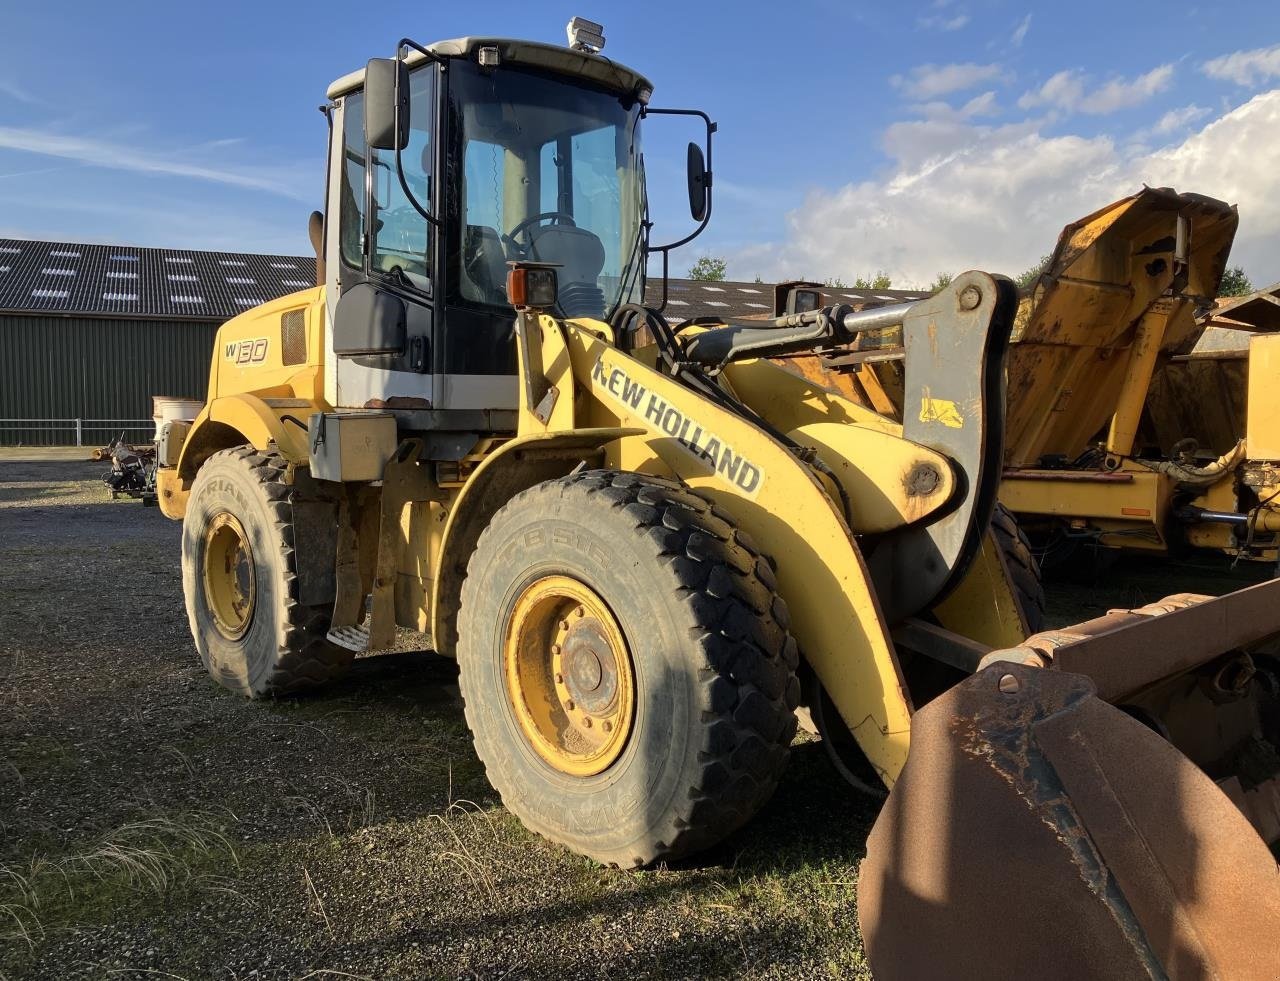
[386, 119]
[368, 321]
[699, 183]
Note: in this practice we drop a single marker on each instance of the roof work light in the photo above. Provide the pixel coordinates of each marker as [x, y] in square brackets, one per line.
[585, 35]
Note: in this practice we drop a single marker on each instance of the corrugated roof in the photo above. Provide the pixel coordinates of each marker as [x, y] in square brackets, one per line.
[128, 281]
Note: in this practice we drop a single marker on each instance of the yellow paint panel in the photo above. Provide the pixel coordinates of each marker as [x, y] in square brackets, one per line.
[890, 481]
[1263, 425]
[983, 607]
[944, 411]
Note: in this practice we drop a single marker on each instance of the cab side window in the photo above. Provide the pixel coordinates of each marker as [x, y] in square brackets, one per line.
[351, 208]
[401, 236]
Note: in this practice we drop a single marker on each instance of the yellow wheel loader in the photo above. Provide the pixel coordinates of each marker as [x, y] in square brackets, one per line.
[646, 545]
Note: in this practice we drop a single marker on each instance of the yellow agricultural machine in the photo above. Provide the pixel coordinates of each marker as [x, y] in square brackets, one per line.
[647, 545]
[1121, 433]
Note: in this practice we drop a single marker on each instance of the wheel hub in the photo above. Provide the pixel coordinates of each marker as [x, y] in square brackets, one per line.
[589, 668]
[228, 576]
[570, 680]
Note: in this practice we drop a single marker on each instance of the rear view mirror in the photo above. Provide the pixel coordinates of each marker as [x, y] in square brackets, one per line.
[699, 183]
[368, 321]
[386, 118]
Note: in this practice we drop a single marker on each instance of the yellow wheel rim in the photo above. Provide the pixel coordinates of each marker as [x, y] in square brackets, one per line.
[569, 676]
[230, 583]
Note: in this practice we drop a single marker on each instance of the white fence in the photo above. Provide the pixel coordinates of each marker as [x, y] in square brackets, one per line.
[99, 431]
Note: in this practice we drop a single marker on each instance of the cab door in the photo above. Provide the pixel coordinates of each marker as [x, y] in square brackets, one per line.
[380, 260]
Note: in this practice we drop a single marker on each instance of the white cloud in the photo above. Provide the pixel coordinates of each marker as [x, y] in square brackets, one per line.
[932, 81]
[1245, 67]
[1069, 90]
[18, 94]
[1177, 119]
[942, 22]
[980, 105]
[102, 153]
[962, 196]
[1020, 32]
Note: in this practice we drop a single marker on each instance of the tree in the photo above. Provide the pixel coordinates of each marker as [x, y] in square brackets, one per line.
[1029, 277]
[1235, 283]
[940, 282]
[880, 281]
[759, 278]
[836, 283]
[708, 269]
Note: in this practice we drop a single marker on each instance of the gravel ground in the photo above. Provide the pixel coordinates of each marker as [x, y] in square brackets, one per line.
[152, 825]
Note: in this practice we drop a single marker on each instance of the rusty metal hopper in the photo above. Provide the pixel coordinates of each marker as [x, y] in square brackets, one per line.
[1075, 329]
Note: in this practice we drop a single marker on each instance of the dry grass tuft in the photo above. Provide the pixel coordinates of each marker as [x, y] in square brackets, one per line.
[153, 856]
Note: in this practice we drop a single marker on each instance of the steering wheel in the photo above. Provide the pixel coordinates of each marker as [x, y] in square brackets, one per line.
[510, 237]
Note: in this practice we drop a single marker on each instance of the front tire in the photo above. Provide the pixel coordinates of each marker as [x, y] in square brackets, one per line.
[241, 584]
[1024, 570]
[623, 601]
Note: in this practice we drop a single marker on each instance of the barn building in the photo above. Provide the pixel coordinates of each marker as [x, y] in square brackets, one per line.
[88, 333]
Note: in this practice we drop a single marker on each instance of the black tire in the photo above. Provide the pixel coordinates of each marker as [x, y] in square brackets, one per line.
[714, 665]
[282, 648]
[1024, 571]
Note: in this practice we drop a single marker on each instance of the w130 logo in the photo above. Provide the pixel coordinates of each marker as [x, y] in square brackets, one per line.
[252, 350]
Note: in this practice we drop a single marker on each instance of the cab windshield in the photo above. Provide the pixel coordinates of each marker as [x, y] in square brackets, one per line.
[549, 171]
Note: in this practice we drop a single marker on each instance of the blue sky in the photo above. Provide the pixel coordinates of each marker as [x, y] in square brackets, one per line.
[909, 137]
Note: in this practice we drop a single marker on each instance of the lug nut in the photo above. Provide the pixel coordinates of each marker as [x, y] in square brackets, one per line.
[569, 704]
[559, 679]
[606, 725]
[586, 723]
[1009, 684]
[555, 648]
[564, 624]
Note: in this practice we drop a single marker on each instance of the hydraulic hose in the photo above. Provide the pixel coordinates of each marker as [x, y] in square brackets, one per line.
[1198, 476]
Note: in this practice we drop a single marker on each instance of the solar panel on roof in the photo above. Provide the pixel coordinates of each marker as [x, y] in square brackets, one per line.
[98, 278]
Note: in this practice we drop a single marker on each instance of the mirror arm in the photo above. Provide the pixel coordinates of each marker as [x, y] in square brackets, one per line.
[404, 185]
[711, 128]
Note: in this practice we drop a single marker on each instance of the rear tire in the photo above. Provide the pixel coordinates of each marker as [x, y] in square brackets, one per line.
[706, 645]
[1024, 571]
[241, 584]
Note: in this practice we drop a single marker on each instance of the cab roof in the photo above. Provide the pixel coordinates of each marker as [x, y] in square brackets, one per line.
[552, 57]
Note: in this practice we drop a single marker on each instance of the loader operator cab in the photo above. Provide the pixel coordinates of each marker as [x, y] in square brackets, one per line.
[448, 164]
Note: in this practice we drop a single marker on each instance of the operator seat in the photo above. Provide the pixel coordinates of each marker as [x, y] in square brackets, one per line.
[580, 255]
[484, 265]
